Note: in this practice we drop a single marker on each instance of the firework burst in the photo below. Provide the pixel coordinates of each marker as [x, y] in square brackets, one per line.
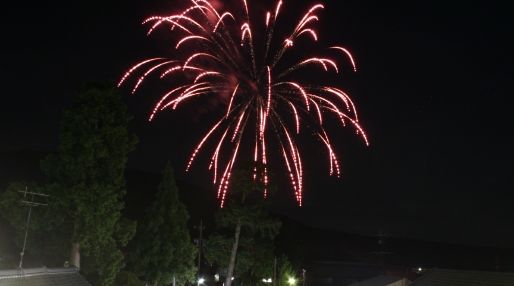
[225, 63]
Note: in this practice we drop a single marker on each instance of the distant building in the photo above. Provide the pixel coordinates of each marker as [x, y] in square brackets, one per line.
[339, 273]
[329, 273]
[383, 281]
[66, 276]
[447, 277]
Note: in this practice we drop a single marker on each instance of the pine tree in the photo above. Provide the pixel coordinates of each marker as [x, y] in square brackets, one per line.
[164, 248]
[86, 179]
[284, 271]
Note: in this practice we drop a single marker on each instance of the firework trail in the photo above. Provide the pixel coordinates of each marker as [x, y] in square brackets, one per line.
[224, 63]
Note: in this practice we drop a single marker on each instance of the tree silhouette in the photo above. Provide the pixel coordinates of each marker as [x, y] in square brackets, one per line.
[86, 181]
[164, 248]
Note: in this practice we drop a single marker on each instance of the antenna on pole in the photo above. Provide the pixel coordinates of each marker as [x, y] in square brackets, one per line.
[31, 204]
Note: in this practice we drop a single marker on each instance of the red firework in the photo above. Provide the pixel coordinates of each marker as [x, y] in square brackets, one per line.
[225, 62]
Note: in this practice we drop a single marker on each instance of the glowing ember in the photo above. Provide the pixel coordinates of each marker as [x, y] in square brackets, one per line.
[223, 63]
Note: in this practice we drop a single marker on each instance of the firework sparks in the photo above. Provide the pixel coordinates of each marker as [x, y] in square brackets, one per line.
[224, 63]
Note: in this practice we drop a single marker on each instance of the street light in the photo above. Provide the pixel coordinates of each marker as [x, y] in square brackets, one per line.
[291, 281]
[201, 280]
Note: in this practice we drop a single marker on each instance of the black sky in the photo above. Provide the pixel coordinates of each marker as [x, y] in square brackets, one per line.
[433, 90]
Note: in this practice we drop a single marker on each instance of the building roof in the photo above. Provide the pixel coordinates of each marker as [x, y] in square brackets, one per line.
[68, 276]
[381, 280]
[444, 277]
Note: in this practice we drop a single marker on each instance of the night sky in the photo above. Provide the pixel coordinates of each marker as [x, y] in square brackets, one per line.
[433, 89]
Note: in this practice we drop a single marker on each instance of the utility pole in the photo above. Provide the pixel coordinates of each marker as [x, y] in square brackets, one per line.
[303, 277]
[199, 243]
[275, 273]
[31, 204]
[381, 241]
